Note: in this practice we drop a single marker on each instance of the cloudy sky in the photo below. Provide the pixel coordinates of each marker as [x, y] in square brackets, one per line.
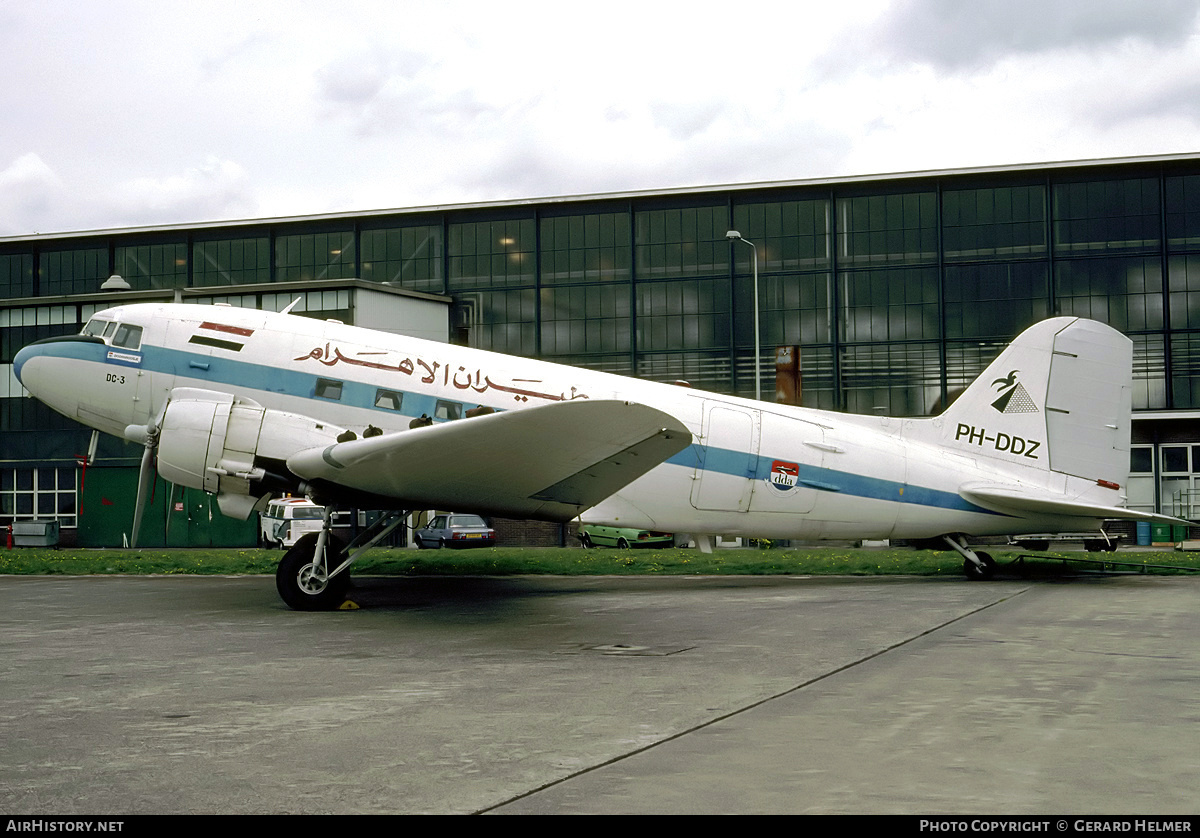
[121, 112]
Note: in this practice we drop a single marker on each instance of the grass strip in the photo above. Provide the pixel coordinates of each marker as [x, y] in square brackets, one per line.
[565, 561]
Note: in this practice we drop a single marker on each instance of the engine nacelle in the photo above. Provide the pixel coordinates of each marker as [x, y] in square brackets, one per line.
[215, 442]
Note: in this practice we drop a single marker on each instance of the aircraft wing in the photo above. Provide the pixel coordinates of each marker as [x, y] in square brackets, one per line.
[549, 462]
[1023, 500]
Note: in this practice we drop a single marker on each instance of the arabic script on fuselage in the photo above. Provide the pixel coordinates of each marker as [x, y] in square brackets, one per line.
[460, 378]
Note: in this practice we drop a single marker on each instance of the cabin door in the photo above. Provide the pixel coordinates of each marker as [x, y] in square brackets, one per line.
[724, 478]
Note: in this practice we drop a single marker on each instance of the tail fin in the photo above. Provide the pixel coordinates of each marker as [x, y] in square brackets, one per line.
[1058, 397]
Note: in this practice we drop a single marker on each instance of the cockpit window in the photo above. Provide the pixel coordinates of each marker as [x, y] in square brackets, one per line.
[95, 327]
[127, 336]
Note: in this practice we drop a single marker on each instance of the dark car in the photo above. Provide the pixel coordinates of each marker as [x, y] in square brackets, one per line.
[455, 531]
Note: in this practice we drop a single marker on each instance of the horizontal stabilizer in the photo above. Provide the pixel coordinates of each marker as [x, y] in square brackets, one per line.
[547, 462]
[1023, 501]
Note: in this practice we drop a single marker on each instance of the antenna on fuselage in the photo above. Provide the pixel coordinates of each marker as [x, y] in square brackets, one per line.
[291, 306]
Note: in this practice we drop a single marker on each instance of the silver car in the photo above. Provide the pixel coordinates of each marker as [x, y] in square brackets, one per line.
[455, 531]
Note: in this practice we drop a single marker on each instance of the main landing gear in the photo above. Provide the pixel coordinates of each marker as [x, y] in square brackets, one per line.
[315, 574]
[977, 565]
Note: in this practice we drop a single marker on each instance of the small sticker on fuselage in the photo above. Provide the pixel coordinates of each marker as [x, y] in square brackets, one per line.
[784, 475]
[126, 358]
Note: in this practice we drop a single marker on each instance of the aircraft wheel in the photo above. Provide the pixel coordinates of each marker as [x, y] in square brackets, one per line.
[299, 583]
[975, 572]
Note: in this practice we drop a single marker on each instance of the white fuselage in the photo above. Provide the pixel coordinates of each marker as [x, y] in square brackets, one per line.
[754, 469]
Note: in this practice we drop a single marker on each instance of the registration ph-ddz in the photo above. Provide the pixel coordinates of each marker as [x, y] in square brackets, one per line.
[1059, 825]
[1002, 442]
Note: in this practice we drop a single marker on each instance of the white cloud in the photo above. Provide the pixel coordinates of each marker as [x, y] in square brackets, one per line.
[31, 195]
[148, 113]
[956, 35]
[215, 189]
[34, 198]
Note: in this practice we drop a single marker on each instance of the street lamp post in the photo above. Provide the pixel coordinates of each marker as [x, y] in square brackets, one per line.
[734, 235]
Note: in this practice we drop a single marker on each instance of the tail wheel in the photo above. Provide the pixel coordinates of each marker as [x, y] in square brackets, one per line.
[302, 582]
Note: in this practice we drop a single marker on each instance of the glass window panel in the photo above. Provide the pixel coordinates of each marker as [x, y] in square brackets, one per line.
[887, 229]
[1183, 282]
[793, 309]
[231, 261]
[993, 222]
[1141, 460]
[1175, 458]
[702, 370]
[684, 314]
[688, 241]
[492, 253]
[16, 275]
[585, 248]
[789, 235]
[1106, 216]
[995, 300]
[153, 266]
[896, 304]
[1185, 370]
[312, 256]
[892, 380]
[1182, 199]
[1124, 292]
[73, 271]
[500, 321]
[1149, 372]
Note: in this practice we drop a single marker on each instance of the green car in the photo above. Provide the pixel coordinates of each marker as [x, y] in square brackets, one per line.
[591, 535]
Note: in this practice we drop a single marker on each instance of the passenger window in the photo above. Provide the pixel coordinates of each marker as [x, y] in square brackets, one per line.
[127, 336]
[327, 388]
[447, 410]
[388, 399]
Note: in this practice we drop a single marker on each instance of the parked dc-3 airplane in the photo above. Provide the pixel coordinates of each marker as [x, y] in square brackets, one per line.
[246, 404]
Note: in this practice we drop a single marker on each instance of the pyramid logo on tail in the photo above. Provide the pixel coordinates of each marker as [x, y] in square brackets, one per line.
[1014, 398]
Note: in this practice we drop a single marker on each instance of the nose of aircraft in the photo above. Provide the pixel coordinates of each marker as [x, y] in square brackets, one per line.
[68, 375]
[45, 370]
[21, 367]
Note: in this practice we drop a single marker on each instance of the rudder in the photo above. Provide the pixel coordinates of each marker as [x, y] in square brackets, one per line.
[1057, 398]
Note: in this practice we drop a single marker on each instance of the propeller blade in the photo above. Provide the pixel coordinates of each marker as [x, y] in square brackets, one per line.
[145, 478]
[147, 435]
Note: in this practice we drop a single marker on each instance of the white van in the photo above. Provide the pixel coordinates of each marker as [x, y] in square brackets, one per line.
[287, 519]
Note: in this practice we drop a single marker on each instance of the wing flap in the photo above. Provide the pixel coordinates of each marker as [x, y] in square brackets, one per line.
[551, 461]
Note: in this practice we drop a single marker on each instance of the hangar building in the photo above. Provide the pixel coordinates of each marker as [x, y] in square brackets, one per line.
[896, 289]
